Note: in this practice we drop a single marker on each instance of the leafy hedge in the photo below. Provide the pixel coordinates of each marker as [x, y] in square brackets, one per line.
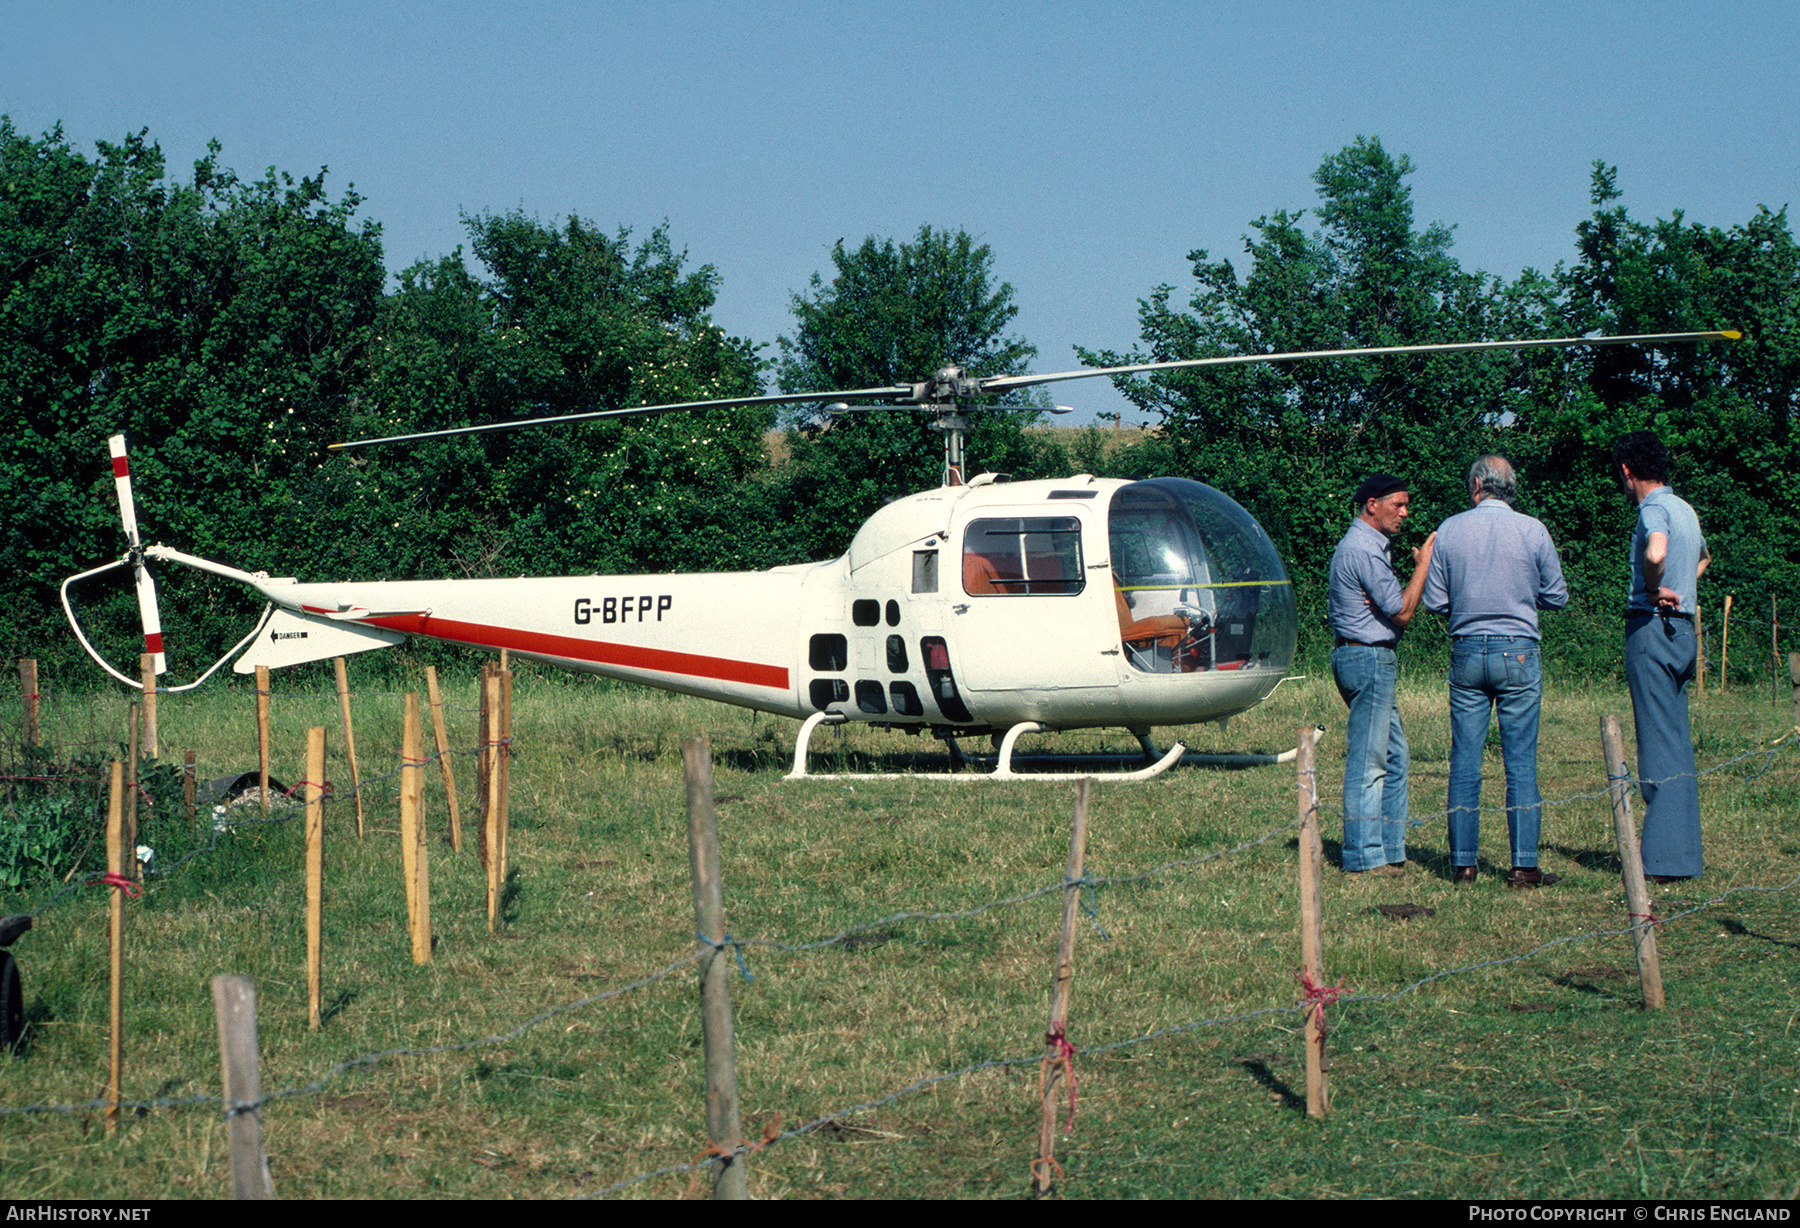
[232, 328]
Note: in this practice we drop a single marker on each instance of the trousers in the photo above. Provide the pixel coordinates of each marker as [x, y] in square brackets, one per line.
[1375, 757]
[1501, 674]
[1660, 654]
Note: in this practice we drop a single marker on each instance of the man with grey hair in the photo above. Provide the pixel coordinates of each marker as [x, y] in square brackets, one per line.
[1492, 570]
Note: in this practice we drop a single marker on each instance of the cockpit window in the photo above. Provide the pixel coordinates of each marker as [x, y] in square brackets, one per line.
[1199, 585]
[1017, 556]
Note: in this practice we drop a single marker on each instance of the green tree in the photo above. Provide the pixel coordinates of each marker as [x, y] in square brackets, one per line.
[1292, 441]
[559, 321]
[220, 324]
[1726, 410]
[895, 314]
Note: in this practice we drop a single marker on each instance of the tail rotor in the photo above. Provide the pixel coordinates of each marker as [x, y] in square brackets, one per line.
[145, 583]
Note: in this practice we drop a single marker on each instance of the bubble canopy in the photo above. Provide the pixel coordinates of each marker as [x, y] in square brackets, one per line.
[1181, 548]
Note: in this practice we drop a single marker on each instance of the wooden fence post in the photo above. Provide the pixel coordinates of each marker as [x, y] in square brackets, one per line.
[133, 725]
[490, 819]
[28, 686]
[262, 735]
[343, 690]
[412, 833]
[234, 1008]
[443, 753]
[1724, 645]
[409, 817]
[115, 938]
[1059, 1054]
[1700, 646]
[506, 729]
[724, 1131]
[1312, 961]
[315, 874]
[482, 738]
[1774, 658]
[1631, 865]
[190, 779]
[147, 673]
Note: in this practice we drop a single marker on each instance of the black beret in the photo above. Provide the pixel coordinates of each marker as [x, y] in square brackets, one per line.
[1378, 486]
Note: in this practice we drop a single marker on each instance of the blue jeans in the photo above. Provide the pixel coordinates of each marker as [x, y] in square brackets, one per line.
[1501, 673]
[1375, 757]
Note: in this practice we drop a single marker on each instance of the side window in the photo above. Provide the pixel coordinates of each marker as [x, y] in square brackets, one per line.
[941, 680]
[827, 691]
[869, 697]
[1023, 556]
[828, 654]
[906, 699]
[925, 569]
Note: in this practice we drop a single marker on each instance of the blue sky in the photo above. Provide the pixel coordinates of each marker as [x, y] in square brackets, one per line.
[1091, 146]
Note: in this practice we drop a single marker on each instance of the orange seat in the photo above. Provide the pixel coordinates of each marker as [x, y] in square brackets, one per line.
[980, 576]
[1163, 630]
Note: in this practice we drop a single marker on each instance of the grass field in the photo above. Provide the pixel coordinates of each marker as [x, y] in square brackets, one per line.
[1534, 1077]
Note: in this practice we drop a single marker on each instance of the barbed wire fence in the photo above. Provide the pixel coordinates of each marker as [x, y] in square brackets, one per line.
[1090, 883]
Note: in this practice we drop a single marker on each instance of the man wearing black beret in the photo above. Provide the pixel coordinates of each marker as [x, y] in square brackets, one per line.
[1368, 610]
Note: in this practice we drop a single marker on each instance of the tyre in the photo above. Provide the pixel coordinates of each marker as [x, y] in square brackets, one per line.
[12, 1003]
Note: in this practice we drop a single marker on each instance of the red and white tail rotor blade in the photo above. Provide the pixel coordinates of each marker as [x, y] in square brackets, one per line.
[146, 585]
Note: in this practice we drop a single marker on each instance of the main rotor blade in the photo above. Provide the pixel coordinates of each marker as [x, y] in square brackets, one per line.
[1002, 383]
[789, 398]
[986, 409]
[1456, 347]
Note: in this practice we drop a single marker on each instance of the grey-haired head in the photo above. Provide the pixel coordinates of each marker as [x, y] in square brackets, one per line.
[1492, 477]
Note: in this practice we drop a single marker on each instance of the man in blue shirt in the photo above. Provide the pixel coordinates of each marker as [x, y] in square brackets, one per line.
[1668, 557]
[1493, 569]
[1368, 610]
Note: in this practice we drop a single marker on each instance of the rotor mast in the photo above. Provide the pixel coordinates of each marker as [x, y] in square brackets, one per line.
[947, 394]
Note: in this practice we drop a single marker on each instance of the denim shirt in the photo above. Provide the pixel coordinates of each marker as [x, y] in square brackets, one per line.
[1492, 569]
[1661, 511]
[1363, 594]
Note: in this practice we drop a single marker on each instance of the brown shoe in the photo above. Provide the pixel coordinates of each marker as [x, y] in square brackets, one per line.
[1532, 877]
[1663, 880]
[1463, 874]
[1391, 870]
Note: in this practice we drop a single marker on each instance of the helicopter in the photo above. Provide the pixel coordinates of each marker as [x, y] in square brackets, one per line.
[982, 607]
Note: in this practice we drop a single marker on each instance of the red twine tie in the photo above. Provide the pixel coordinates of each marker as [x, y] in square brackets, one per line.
[1064, 1057]
[127, 885]
[771, 1132]
[1318, 997]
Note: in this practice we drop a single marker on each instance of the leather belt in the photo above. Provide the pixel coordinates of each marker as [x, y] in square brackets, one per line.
[1344, 643]
[1636, 613]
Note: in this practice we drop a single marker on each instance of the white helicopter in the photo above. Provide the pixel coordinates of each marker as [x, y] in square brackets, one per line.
[985, 607]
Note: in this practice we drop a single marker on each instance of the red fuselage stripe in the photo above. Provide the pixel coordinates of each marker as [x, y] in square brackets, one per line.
[121, 467]
[626, 656]
[153, 643]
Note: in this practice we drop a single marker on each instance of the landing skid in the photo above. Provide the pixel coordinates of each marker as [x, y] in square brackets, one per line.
[1003, 769]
